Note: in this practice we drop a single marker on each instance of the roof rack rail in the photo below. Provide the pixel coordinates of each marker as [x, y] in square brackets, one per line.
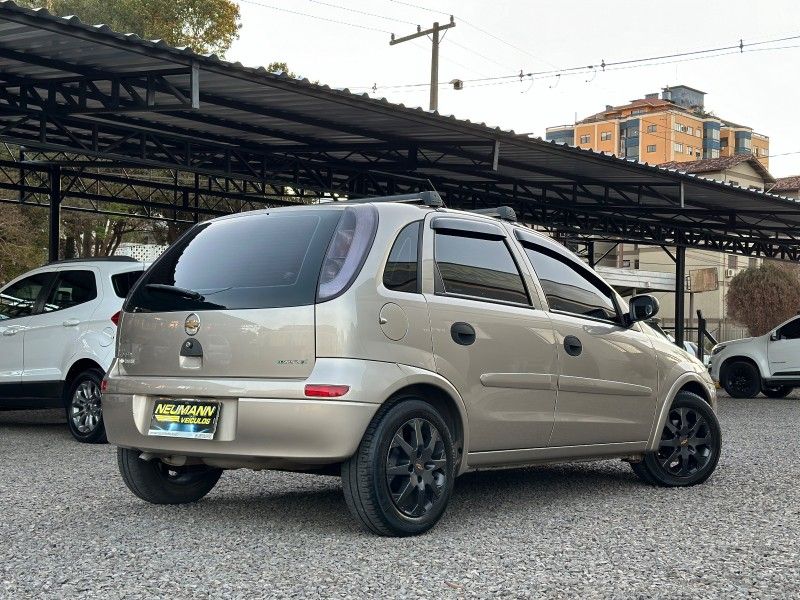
[505, 213]
[94, 259]
[428, 198]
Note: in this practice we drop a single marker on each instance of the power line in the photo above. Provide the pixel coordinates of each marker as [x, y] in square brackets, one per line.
[317, 17]
[361, 12]
[603, 66]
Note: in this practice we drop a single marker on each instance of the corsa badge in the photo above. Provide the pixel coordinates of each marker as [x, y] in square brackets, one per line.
[192, 324]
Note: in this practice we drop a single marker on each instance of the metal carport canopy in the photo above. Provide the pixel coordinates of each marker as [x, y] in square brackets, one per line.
[88, 91]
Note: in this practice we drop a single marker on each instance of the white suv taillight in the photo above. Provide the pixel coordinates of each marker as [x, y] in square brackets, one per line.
[115, 318]
[347, 251]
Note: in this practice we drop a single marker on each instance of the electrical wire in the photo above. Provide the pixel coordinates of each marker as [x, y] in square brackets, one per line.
[317, 17]
[362, 12]
[739, 48]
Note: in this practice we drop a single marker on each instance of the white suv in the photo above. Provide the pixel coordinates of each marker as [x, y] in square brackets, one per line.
[769, 364]
[57, 334]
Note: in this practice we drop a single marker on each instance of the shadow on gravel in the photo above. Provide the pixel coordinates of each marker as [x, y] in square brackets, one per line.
[318, 502]
[32, 418]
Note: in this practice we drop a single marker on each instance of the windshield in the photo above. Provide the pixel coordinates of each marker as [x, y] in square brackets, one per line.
[264, 260]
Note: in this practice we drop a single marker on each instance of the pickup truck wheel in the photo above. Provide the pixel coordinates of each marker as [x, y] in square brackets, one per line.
[399, 481]
[776, 391]
[84, 407]
[741, 379]
[689, 448]
[159, 483]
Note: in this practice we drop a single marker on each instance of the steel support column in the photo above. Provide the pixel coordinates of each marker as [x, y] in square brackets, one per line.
[54, 234]
[680, 289]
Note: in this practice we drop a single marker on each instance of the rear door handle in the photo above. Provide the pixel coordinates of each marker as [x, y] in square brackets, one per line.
[573, 345]
[71, 323]
[463, 334]
[10, 331]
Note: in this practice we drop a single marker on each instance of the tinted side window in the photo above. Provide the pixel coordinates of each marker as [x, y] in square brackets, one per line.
[19, 299]
[123, 282]
[569, 288]
[790, 331]
[71, 289]
[477, 267]
[401, 269]
[263, 260]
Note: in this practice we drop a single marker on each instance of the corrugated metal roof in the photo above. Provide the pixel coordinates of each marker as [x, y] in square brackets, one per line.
[273, 111]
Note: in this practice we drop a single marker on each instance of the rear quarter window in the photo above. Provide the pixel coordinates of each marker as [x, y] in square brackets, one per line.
[264, 260]
[123, 282]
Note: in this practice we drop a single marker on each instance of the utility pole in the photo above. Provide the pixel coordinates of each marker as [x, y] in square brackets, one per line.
[434, 33]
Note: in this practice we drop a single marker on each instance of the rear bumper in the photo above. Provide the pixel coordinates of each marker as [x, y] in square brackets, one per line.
[254, 432]
[262, 423]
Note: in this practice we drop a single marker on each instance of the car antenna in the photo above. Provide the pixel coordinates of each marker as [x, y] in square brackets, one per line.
[433, 187]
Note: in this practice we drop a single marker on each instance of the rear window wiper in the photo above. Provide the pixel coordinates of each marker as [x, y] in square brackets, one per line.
[173, 289]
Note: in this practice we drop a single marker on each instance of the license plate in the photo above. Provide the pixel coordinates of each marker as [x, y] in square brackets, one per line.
[193, 419]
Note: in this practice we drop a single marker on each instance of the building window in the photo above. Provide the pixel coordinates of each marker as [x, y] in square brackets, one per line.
[714, 153]
[585, 138]
[677, 126]
[651, 148]
[690, 130]
[733, 261]
[698, 132]
[651, 129]
[678, 147]
[689, 150]
[605, 136]
[723, 143]
[638, 111]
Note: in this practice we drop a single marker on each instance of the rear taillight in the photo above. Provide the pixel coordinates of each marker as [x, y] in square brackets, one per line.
[347, 251]
[115, 318]
[326, 391]
[104, 385]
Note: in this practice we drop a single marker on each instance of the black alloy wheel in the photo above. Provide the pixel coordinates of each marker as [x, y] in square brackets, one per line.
[685, 445]
[741, 379]
[400, 479]
[416, 467]
[689, 446]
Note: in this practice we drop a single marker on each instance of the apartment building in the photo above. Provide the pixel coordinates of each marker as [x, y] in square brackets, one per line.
[672, 126]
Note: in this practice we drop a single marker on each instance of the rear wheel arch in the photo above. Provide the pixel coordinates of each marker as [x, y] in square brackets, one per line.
[76, 369]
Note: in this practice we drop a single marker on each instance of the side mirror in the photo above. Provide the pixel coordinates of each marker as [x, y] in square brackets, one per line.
[642, 307]
[773, 336]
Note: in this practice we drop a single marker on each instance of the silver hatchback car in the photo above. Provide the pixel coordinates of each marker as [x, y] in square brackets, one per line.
[398, 344]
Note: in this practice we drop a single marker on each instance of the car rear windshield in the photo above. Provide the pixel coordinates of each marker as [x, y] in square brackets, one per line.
[264, 260]
[123, 282]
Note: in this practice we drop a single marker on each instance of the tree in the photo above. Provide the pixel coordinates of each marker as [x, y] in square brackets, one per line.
[21, 241]
[206, 26]
[762, 297]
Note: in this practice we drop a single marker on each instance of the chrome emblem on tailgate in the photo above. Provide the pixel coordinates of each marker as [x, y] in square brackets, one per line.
[192, 324]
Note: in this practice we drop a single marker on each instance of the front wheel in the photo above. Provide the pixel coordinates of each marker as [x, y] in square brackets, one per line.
[741, 379]
[84, 408]
[776, 391]
[399, 481]
[689, 448]
[159, 483]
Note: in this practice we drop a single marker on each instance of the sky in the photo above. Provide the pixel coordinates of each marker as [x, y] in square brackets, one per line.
[759, 89]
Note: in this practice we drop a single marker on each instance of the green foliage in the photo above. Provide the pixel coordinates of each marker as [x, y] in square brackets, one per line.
[206, 26]
[22, 240]
[762, 297]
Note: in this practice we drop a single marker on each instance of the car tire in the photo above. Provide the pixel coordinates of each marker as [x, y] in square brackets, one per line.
[159, 483]
[776, 391]
[689, 446]
[741, 379]
[84, 410]
[400, 479]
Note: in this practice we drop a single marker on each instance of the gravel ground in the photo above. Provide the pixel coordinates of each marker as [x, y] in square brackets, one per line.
[70, 529]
